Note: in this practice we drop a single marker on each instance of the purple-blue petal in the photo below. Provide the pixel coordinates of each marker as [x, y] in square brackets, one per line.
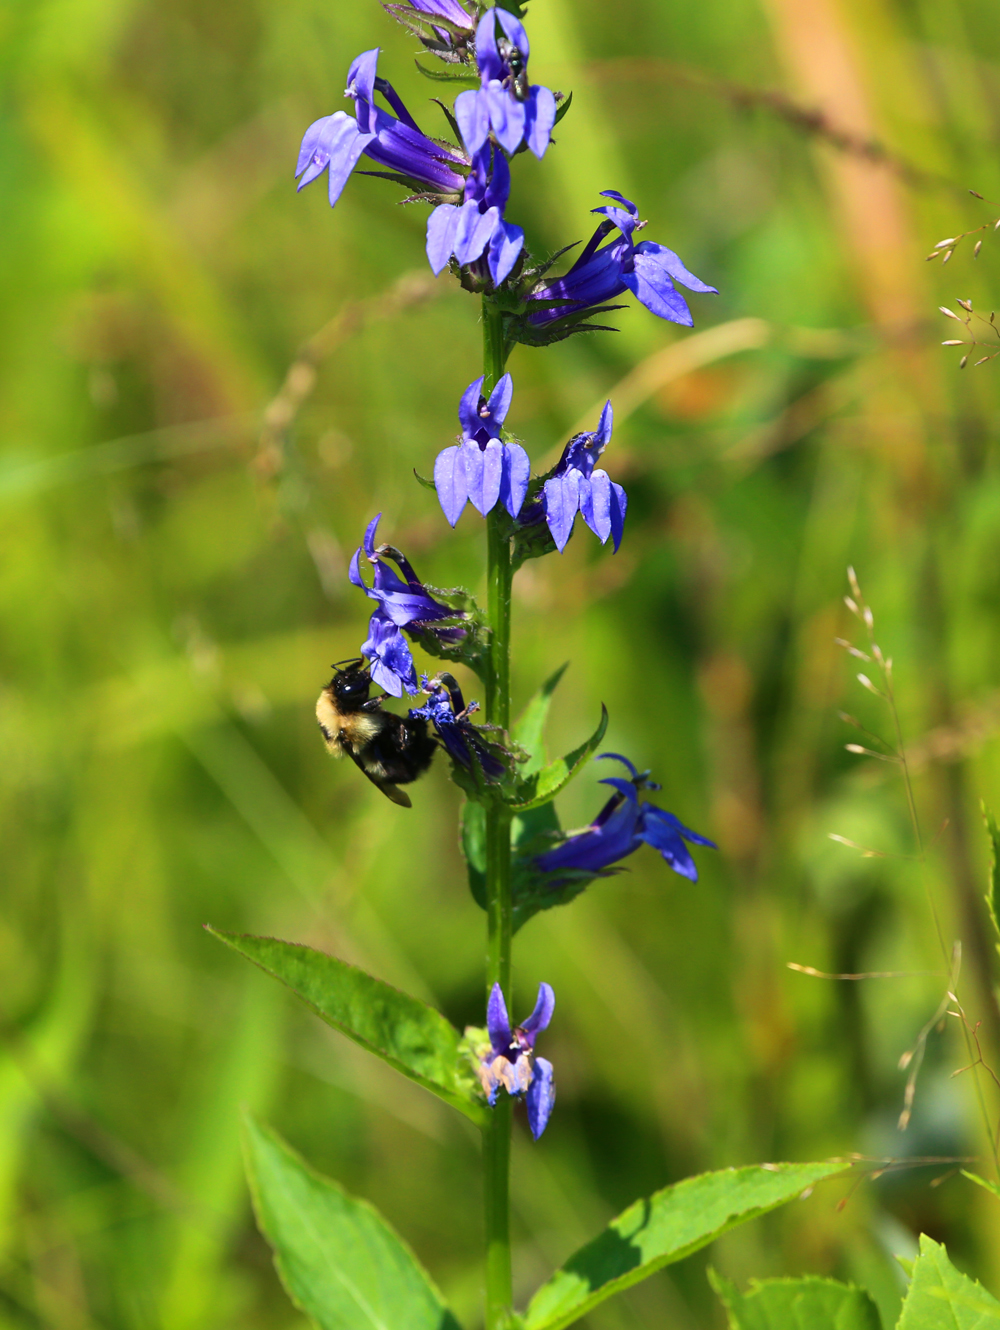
[514, 29]
[451, 479]
[515, 478]
[474, 231]
[505, 246]
[507, 115]
[602, 435]
[539, 119]
[595, 507]
[472, 114]
[370, 529]
[487, 53]
[497, 1021]
[660, 815]
[562, 503]
[671, 847]
[541, 1096]
[334, 142]
[499, 400]
[354, 574]
[485, 468]
[653, 288]
[626, 203]
[617, 757]
[670, 263]
[441, 227]
[446, 9]
[392, 662]
[539, 1019]
[361, 86]
[619, 507]
[468, 409]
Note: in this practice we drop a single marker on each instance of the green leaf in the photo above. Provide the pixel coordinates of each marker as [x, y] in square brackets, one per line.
[474, 848]
[539, 788]
[338, 1259]
[528, 731]
[564, 106]
[445, 76]
[797, 1304]
[981, 1182]
[942, 1298]
[664, 1228]
[402, 1030]
[993, 890]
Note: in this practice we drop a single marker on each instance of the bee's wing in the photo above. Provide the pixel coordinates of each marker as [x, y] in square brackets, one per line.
[390, 791]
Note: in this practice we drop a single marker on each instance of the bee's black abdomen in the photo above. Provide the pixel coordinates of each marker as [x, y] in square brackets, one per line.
[404, 750]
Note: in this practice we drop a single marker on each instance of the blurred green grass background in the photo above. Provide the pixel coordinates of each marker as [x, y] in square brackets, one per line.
[181, 487]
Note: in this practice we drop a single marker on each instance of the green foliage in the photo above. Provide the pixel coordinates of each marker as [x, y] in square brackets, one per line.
[542, 786]
[982, 1182]
[411, 1036]
[529, 730]
[535, 825]
[797, 1304]
[993, 890]
[942, 1298]
[456, 79]
[664, 1228]
[338, 1259]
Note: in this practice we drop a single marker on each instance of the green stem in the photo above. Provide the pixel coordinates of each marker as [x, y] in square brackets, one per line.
[496, 1136]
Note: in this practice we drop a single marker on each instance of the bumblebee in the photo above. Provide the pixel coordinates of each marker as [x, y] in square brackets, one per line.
[391, 750]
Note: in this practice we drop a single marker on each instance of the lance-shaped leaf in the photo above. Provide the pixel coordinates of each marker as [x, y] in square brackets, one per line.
[664, 1228]
[542, 786]
[461, 80]
[338, 1259]
[405, 1032]
[993, 888]
[530, 727]
[942, 1298]
[797, 1304]
[982, 1182]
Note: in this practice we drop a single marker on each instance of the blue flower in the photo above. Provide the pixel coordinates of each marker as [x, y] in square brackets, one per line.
[337, 142]
[576, 487]
[601, 274]
[402, 603]
[505, 103]
[510, 1061]
[478, 225]
[621, 826]
[482, 469]
[451, 33]
[464, 742]
[449, 10]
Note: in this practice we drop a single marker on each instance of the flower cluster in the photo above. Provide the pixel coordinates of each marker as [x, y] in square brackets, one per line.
[505, 103]
[402, 603]
[622, 825]
[510, 1060]
[336, 142]
[604, 272]
[465, 232]
[466, 744]
[482, 469]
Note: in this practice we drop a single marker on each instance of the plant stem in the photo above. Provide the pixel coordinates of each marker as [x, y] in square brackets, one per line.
[496, 1136]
